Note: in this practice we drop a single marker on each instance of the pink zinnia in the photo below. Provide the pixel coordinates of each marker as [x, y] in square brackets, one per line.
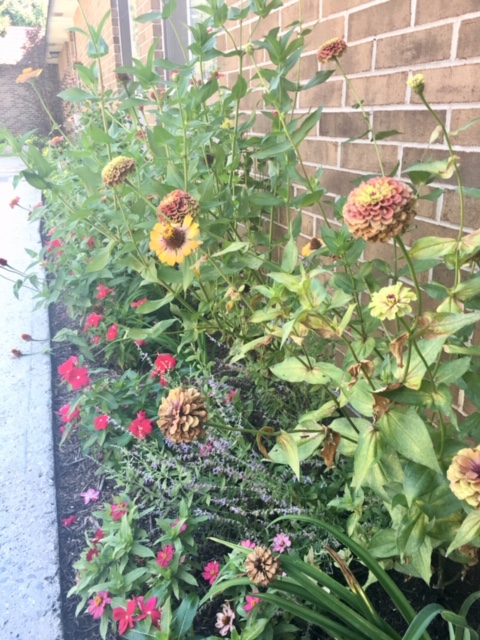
[112, 332]
[248, 544]
[103, 292]
[149, 608]
[124, 617]
[91, 554]
[225, 620]
[250, 604]
[100, 423]
[281, 542]
[67, 522]
[165, 555]
[14, 202]
[90, 495]
[138, 303]
[66, 415]
[93, 320]
[97, 604]
[118, 510]
[99, 535]
[210, 571]
[141, 427]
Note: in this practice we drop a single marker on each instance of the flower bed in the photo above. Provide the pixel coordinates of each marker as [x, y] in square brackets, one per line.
[263, 413]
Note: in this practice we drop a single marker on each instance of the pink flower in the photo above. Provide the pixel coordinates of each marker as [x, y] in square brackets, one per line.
[210, 572]
[100, 423]
[95, 339]
[141, 427]
[91, 554]
[75, 376]
[112, 332]
[165, 555]
[67, 366]
[97, 605]
[182, 528]
[205, 450]
[149, 608]
[333, 48]
[91, 242]
[99, 535]
[248, 544]
[54, 244]
[93, 320]
[124, 617]
[225, 619]
[66, 415]
[56, 140]
[90, 495]
[118, 510]
[67, 522]
[140, 343]
[138, 303]
[230, 397]
[281, 542]
[163, 362]
[14, 202]
[251, 603]
[103, 292]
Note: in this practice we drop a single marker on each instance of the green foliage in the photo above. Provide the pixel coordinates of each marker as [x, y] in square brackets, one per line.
[24, 14]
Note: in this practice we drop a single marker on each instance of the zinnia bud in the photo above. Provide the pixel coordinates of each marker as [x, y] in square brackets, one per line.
[417, 83]
[26, 337]
[16, 353]
[379, 209]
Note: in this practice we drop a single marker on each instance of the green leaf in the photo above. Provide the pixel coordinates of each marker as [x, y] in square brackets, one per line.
[239, 89]
[417, 481]
[422, 621]
[233, 247]
[289, 446]
[306, 126]
[381, 135]
[270, 150]
[290, 255]
[469, 529]
[168, 9]
[99, 135]
[74, 94]
[411, 532]
[450, 372]
[153, 305]
[432, 247]
[97, 49]
[35, 180]
[264, 199]
[368, 453]
[101, 260]
[429, 350]
[255, 629]
[295, 370]
[468, 289]
[406, 432]
[446, 324]
[183, 617]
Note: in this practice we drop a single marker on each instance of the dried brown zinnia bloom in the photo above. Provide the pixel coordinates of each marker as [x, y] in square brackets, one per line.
[464, 476]
[262, 566]
[183, 415]
[379, 209]
[177, 205]
[116, 171]
[333, 48]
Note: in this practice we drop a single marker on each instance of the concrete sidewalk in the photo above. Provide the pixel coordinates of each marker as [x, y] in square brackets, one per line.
[29, 576]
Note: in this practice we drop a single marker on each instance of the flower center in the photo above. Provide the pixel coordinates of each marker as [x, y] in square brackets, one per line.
[392, 298]
[174, 237]
[373, 194]
[97, 600]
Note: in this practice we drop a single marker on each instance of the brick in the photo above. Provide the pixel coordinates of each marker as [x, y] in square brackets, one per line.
[461, 117]
[337, 181]
[418, 47]
[468, 39]
[421, 229]
[320, 152]
[429, 12]
[363, 157]
[415, 126]
[358, 58]
[325, 30]
[380, 18]
[328, 94]
[342, 125]
[451, 210]
[385, 89]
[335, 6]
[306, 11]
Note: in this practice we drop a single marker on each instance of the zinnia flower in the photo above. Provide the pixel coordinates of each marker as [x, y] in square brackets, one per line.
[182, 415]
[248, 544]
[14, 202]
[90, 495]
[27, 75]
[417, 83]
[100, 423]
[118, 510]
[124, 617]
[141, 427]
[93, 320]
[379, 209]
[138, 303]
[77, 377]
[176, 206]
[464, 476]
[250, 604]
[225, 619]
[210, 572]
[163, 362]
[91, 554]
[391, 302]
[97, 604]
[66, 415]
[117, 170]
[311, 246]
[333, 48]
[262, 566]
[67, 522]
[173, 242]
[281, 542]
[165, 555]
[148, 608]
[102, 292]
[112, 332]
[99, 535]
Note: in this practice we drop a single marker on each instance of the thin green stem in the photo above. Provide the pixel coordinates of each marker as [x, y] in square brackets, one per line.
[408, 260]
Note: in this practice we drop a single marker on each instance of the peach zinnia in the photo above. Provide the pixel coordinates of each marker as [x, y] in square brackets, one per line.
[173, 242]
[333, 48]
[177, 205]
[379, 209]
[464, 476]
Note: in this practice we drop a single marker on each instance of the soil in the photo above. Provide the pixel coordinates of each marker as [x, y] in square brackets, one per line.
[76, 473]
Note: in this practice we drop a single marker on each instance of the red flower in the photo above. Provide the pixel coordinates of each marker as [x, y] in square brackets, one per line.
[14, 202]
[138, 303]
[211, 571]
[148, 608]
[100, 423]
[124, 617]
[93, 320]
[141, 427]
[95, 339]
[103, 292]
[91, 242]
[3, 262]
[66, 415]
[165, 555]
[65, 368]
[112, 332]
[76, 376]
[54, 244]
[99, 535]
[91, 554]
[67, 522]
[140, 343]
[164, 362]
[26, 336]
[118, 510]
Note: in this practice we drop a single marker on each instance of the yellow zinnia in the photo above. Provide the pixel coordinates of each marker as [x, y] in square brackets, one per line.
[173, 242]
[28, 74]
[392, 302]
